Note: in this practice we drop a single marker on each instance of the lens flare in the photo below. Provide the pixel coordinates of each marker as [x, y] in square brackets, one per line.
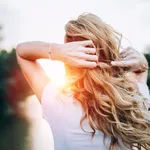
[55, 71]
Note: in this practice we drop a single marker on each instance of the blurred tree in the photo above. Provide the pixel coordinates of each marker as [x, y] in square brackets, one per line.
[13, 88]
[147, 55]
[0, 31]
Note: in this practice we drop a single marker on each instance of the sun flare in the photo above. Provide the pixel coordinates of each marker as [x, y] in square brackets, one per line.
[55, 71]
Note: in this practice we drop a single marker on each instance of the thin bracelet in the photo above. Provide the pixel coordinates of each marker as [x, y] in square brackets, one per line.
[49, 51]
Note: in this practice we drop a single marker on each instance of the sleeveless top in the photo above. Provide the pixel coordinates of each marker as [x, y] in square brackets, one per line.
[64, 119]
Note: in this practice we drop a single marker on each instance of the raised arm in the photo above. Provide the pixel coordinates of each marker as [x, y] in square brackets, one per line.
[137, 65]
[135, 62]
[79, 54]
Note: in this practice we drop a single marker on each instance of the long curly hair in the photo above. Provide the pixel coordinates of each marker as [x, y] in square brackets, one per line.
[109, 97]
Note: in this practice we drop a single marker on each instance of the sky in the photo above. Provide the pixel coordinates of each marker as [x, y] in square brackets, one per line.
[44, 20]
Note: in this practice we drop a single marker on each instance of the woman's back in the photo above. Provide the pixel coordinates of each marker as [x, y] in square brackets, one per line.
[64, 118]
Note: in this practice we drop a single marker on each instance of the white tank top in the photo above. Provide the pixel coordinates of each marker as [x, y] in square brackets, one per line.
[64, 120]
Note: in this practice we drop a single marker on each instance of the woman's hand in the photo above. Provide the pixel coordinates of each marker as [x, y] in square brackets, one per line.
[80, 54]
[133, 60]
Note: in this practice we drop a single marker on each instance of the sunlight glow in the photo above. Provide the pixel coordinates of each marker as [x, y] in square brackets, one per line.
[55, 71]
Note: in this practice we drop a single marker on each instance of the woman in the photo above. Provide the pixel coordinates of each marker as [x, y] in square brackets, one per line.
[100, 106]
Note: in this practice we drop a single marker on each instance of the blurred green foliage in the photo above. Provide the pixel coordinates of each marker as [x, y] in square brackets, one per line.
[13, 88]
[147, 55]
[7, 64]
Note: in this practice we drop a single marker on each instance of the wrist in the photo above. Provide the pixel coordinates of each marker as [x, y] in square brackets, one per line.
[54, 51]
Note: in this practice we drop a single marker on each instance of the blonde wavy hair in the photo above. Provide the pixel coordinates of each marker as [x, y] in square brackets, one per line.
[109, 97]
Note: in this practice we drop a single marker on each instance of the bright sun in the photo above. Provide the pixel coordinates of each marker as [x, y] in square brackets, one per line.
[55, 70]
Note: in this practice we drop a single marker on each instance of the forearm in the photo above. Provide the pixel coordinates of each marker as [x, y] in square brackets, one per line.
[78, 54]
[35, 50]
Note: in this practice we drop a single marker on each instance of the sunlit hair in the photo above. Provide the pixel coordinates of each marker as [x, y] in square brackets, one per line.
[109, 97]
